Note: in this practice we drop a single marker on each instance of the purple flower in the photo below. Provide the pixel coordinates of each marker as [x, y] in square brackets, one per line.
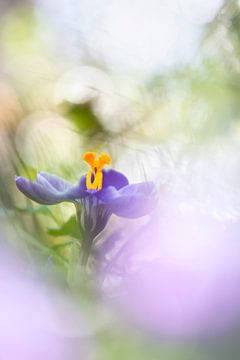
[98, 194]
[116, 196]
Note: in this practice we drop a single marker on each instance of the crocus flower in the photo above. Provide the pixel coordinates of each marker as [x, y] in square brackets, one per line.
[96, 196]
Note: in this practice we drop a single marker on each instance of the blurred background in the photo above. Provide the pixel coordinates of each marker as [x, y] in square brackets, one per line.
[153, 83]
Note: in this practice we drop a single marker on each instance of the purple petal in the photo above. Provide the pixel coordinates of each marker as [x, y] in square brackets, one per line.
[107, 194]
[49, 189]
[132, 201]
[37, 191]
[145, 188]
[82, 183]
[75, 192]
[114, 178]
[56, 182]
[63, 187]
[132, 206]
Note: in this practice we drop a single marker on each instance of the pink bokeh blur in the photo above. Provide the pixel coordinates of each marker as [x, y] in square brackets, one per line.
[178, 275]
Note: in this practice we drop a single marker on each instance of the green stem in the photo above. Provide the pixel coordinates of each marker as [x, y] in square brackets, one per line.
[85, 252]
[86, 241]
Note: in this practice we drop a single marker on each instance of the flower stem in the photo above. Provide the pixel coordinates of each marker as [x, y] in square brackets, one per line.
[85, 253]
[86, 242]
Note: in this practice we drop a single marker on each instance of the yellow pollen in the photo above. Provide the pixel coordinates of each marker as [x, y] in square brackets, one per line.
[94, 176]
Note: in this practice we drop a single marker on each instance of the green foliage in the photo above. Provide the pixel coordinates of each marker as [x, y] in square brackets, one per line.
[69, 228]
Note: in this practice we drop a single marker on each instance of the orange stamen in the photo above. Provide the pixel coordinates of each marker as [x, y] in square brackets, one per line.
[94, 176]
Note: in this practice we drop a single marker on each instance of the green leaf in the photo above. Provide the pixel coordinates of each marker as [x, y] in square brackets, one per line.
[69, 228]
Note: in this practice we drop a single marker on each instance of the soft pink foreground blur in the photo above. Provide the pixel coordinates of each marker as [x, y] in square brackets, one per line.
[37, 322]
[179, 275]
